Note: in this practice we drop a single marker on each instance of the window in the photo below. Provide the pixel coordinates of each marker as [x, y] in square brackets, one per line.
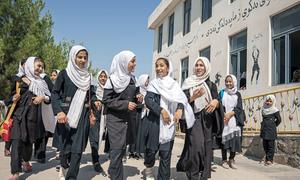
[286, 45]
[205, 52]
[238, 58]
[184, 69]
[171, 30]
[187, 17]
[206, 9]
[160, 36]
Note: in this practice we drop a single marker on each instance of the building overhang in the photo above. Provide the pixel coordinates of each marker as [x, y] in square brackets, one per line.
[164, 8]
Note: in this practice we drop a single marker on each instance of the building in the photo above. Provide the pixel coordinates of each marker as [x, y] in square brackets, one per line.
[257, 40]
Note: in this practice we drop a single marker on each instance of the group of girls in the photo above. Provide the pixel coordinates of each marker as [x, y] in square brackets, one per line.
[142, 114]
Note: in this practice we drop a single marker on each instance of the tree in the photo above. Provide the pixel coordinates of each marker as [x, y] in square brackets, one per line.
[25, 32]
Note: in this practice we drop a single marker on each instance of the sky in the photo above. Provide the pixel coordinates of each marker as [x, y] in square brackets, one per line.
[106, 27]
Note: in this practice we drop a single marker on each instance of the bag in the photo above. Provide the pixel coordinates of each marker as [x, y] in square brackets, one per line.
[6, 125]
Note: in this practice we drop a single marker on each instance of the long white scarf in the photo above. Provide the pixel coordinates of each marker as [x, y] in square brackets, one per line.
[266, 110]
[100, 87]
[119, 74]
[197, 82]
[39, 87]
[82, 80]
[21, 71]
[143, 90]
[229, 101]
[171, 94]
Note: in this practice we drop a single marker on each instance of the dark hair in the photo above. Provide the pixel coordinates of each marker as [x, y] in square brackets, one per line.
[165, 60]
[228, 77]
[40, 60]
[82, 50]
[103, 72]
[54, 70]
[23, 61]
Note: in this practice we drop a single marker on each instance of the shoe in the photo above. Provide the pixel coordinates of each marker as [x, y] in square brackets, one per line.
[149, 174]
[97, 167]
[57, 168]
[62, 173]
[26, 167]
[131, 155]
[7, 152]
[57, 155]
[267, 163]
[225, 165]
[231, 164]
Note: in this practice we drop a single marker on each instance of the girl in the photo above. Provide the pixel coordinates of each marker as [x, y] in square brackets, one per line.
[271, 119]
[54, 75]
[120, 100]
[202, 94]
[34, 91]
[96, 131]
[167, 103]
[71, 98]
[233, 121]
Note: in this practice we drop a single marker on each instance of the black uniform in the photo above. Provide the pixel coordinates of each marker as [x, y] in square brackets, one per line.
[201, 139]
[268, 133]
[119, 123]
[73, 141]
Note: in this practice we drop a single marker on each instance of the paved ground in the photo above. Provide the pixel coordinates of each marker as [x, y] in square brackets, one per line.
[247, 168]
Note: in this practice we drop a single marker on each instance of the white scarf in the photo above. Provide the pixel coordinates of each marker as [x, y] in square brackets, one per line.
[119, 74]
[229, 101]
[143, 90]
[82, 80]
[21, 71]
[170, 95]
[39, 87]
[197, 82]
[266, 110]
[100, 87]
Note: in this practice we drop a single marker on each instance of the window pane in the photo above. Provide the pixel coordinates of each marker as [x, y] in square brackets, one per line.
[171, 30]
[205, 53]
[160, 36]
[187, 17]
[286, 20]
[206, 9]
[294, 73]
[279, 60]
[234, 64]
[243, 69]
[184, 69]
[238, 41]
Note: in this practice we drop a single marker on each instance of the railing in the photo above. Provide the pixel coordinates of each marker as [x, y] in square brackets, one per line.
[288, 103]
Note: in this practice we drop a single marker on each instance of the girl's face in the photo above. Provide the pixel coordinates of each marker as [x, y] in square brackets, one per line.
[229, 82]
[38, 67]
[53, 76]
[81, 59]
[199, 68]
[269, 102]
[102, 78]
[161, 68]
[131, 65]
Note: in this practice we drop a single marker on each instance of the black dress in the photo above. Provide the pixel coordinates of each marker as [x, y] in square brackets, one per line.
[201, 139]
[268, 126]
[120, 121]
[70, 139]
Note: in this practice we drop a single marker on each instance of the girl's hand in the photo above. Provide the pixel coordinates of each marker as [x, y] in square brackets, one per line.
[16, 98]
[177, 115]
[98, 104]
[140, 98]
[131, 106]
[228, 116]
[213, 104]
[38, 99]
[165, 116]
[61, 118]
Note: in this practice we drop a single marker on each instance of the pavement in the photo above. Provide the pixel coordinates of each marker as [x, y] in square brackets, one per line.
[247, 168]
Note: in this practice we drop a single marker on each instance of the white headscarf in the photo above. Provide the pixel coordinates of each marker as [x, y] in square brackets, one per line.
[82, 80]
[170, 95]
[266, 110]
[100, 87]
[39, 87]
[234, 89]
[21, 71]
[141, 82]
[229, 101]
[196, 82]
[119, 74]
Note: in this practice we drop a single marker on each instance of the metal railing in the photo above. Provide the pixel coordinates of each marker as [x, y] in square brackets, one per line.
[288, 103]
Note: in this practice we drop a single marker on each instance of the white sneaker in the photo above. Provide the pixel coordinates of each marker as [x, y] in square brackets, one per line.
[149, 174]
[62, 173]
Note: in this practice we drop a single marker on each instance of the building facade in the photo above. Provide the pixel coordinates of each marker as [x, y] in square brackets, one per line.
[257, 40]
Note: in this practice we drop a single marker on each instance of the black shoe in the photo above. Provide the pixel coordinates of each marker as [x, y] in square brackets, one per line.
[98, 167]
[131, 155]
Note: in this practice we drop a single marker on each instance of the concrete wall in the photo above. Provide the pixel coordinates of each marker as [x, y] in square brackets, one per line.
[227, 19]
